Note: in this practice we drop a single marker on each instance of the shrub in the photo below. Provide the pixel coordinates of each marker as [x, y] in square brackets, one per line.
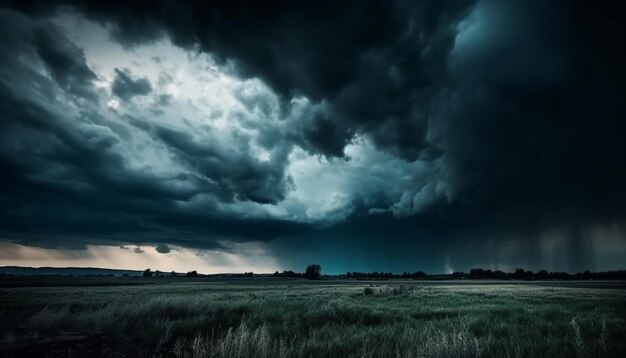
[368, 291]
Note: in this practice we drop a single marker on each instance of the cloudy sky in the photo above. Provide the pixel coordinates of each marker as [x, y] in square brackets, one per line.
[364, 135]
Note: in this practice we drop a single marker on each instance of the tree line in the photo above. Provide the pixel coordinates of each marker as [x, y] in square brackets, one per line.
[314, 272]
[521, 274]
[480, 273]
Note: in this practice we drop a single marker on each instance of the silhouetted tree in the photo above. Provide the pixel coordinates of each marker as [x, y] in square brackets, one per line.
[519, 274]
[290, 273]
[173, 274]
[192, 274]
[313, 272]
[498, 274]
[147, 273]
[542, 275]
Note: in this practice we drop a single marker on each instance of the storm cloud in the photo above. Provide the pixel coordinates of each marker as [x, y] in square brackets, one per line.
[125, 87]
[494, 126]
[162, 248]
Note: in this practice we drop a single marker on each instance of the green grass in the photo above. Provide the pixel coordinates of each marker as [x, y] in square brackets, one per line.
[292, 318]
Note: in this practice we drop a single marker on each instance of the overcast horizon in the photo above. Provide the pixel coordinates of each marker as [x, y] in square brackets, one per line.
[389, 136]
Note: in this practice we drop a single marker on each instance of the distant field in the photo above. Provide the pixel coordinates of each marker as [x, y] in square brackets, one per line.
[75, 317]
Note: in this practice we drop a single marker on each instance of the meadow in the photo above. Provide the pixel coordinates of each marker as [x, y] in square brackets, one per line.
[162, 317]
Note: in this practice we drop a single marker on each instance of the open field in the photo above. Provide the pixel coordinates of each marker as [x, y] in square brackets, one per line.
[297, 318]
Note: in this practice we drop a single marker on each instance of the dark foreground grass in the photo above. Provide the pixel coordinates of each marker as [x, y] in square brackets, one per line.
[175, 318]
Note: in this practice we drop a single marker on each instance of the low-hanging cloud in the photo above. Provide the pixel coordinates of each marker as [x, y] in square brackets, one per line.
[162, 248]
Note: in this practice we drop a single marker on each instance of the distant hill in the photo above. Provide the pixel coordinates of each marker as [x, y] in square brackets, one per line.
[65, 271]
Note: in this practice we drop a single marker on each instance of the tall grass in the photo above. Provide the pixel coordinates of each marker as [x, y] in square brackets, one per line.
[580, 345]
[243, 342]
[334, 320]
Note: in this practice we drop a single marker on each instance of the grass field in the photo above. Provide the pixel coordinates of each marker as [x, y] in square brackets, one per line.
[298, 318]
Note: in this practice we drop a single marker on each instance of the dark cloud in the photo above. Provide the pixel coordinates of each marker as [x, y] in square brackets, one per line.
[65, 61]
[163, 99]
[162, 248]
[229, 174]
[518, 106]
[532, 125]
[316, 132]
[377, 74]
[65, 181]
[125, 87]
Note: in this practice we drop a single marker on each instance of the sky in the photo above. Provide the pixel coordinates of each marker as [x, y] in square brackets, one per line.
[361, 135]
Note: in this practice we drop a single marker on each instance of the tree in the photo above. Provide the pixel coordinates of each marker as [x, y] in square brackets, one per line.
[313, 272]
[192, 274]
[519, 274]
[147, 273]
